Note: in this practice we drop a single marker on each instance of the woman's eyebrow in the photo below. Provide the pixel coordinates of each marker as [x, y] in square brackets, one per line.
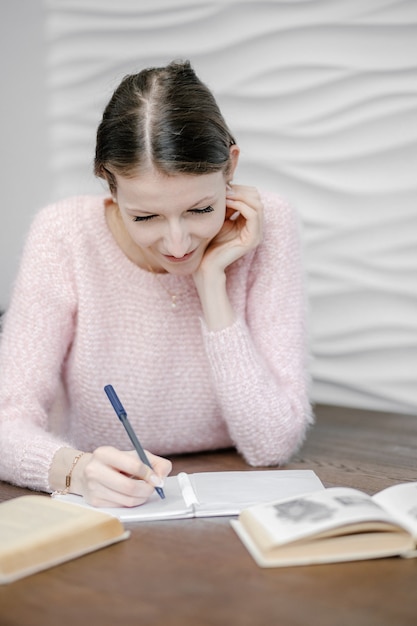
[136, 209]
[204, 200]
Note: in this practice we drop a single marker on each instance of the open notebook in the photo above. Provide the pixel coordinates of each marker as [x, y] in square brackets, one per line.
[210, 494]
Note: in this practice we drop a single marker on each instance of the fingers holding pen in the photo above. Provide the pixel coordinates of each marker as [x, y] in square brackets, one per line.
[118, 478]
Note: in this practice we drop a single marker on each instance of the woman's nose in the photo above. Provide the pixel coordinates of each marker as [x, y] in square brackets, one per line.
[177, 240]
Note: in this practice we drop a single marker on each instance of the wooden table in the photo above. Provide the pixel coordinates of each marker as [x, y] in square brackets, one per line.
[196, 572]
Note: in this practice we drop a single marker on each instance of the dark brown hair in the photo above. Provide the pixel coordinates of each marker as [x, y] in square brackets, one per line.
[163, 117]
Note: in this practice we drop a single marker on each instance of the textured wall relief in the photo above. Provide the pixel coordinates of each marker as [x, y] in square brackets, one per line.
[322, 96]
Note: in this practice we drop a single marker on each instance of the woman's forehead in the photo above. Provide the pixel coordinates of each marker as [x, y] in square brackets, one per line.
[152, 189]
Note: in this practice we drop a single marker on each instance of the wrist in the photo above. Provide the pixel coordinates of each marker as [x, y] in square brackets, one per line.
[66, 471]
[207, 278]
[78, 475]
[217, 309]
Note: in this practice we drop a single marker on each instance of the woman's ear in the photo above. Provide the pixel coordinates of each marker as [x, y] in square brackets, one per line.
[234, 158]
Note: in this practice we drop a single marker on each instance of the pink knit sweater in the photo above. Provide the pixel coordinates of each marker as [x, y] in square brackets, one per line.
[82, 316]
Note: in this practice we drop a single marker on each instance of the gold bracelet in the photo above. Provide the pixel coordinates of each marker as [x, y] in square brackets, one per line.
[69, 476]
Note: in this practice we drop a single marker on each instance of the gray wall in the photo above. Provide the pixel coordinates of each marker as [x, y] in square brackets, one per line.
[23, 129]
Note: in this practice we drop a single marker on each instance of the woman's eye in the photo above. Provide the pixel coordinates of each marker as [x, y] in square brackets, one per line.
[207, 209]
[147, 218]
[143, 218]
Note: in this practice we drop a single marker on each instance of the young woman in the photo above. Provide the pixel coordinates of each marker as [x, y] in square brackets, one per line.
[180, 288]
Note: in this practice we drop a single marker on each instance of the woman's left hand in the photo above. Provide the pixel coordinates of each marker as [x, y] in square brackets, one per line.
[241, 231]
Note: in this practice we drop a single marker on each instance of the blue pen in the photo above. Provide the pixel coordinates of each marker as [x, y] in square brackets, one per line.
[122, 415]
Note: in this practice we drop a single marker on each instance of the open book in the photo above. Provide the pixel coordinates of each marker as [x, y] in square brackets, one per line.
[37, 532]
[336, 524]
[210, 494]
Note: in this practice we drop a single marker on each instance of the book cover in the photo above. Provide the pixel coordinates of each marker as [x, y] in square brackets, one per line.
[37, 532]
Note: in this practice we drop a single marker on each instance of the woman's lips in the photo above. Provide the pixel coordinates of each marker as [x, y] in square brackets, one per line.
[174, 259]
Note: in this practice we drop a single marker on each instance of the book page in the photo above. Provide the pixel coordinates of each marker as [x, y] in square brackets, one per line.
[228, 493]
[325, 512]
[172, 507]
[401, 502]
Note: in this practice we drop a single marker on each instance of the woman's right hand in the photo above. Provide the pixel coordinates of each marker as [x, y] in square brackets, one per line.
[109, 477]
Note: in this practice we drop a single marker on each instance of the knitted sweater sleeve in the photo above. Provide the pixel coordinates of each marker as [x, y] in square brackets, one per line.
[259, 364]
[37, 330]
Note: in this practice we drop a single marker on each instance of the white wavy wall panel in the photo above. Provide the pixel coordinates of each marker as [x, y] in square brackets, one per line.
[322, 96]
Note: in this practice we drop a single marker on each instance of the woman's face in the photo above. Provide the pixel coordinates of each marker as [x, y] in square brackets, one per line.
[172, 219]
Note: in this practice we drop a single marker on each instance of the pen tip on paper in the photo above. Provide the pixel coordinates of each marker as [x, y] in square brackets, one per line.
[160, 492]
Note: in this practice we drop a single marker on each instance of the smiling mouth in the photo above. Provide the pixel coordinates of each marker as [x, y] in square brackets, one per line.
[174, 259]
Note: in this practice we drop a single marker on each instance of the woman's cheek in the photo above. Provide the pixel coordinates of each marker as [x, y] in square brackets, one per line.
[218, 225]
